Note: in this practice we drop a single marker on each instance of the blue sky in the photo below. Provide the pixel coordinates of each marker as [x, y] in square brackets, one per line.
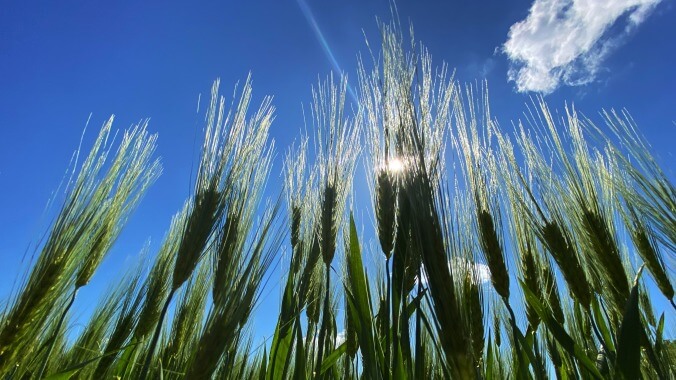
[61, 61]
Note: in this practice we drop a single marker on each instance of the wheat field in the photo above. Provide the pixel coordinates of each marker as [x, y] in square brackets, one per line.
[501, 253]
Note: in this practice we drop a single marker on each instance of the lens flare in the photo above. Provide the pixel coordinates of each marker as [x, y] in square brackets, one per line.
[309, 16]
[396, 165]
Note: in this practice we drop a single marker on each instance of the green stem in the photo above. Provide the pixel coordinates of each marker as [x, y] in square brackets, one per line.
[419, 353]
[56, 334]
[324, 327]
[597, 332]
[396, 336]
[156, 336]
[516, 334]
[388, 363]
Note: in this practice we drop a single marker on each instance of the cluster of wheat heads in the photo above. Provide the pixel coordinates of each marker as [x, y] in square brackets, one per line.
[496, 255]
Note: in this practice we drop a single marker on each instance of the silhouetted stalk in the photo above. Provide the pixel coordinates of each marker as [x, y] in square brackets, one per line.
[325, 324]
[419, 352]
[516, 333]
[394, 328]
[388, 337]
[56, 334]
[156, 336]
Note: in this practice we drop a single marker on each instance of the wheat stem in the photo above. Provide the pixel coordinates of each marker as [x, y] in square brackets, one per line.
[156, 336]
[43, 367]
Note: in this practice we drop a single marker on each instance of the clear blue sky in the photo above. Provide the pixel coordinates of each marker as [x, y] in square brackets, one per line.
[61, 61]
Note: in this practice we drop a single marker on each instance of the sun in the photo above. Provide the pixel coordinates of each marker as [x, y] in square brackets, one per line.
[396, 165]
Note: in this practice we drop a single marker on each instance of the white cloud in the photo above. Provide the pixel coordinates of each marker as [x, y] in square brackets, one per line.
[460, 265]
[341, 338]
[566, 41]
[481, 273]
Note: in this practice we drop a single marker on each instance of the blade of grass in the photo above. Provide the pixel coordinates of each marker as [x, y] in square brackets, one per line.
[566, 342]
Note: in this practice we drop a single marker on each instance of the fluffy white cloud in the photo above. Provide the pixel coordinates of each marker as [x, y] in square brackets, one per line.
[481, 273]
[566, 41]
[461, 266]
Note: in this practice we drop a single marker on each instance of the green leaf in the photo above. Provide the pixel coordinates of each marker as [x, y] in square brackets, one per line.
[428, 327]
[603, 327]
[65, 375]
[659, 335]
[351, 335]
[628, 362]
[264, 365]
[399, 373]
[358, 303]
[660, 328]
[333, 357]
[280, 351]
[415, 302]
[489, 358]
[559, 333]
[299, 369]
[69, 372]
[530, 352]
[126, 358]
[356, 268]
[525, 355]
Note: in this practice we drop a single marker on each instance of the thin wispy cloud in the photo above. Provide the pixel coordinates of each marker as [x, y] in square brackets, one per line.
[566, 41]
